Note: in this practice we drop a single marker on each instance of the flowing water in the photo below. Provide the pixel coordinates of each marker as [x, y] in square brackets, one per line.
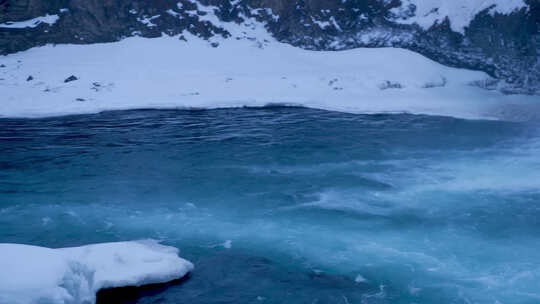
[289, 205]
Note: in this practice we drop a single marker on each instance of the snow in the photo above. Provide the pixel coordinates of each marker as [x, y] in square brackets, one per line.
[173, 13]
[49, 19]
[249, 69]
[32, 274]
[334, 22]
[148, 20]
[322, 24]
[194, 74]
[459, 12]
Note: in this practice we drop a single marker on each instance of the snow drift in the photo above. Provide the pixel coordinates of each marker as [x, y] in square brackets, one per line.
[32, 274]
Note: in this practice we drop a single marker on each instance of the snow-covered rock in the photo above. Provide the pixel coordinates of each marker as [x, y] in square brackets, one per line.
[460, 13]
[31, 274]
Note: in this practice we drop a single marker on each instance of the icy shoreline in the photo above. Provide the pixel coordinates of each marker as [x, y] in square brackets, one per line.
[32, 274]
[167, 73]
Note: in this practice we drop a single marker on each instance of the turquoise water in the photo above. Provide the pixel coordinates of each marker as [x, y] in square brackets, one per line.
[289, 205]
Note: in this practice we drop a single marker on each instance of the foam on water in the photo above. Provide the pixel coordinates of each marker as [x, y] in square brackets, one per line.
[326, 206]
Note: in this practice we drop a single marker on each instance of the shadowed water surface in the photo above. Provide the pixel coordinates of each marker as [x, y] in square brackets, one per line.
[288, 205]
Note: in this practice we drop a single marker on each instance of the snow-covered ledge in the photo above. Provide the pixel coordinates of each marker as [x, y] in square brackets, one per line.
[49, 19]
[31, 274]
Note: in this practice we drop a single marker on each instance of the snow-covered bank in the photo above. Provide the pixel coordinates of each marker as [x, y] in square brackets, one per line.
[170, 73]
[31, 274]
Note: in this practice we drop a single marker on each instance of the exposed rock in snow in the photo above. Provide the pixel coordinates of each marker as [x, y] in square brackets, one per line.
[70, 79]
[32, 274]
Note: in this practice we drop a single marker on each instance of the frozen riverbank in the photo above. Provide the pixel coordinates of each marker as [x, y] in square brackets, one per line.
[169, 73]
[32, 274]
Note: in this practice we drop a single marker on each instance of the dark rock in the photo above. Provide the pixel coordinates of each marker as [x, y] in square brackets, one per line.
[96, 86]
[390, 85]
[2, 65]
[30, 78]
[80, 99]
[435, 84]
[70, 78]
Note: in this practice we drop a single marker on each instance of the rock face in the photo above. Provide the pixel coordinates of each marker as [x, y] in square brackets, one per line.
[505, 45]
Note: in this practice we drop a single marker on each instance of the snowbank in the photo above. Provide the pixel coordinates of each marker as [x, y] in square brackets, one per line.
[248, 69]
[31, 274]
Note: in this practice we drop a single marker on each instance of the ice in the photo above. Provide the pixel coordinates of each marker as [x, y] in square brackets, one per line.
[32, 274]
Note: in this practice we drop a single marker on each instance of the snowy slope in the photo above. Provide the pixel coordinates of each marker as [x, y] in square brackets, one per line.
[33, 274]
[460, 12]
[169, 73]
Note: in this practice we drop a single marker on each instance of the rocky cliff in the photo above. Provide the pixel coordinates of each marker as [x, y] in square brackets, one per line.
[505, 44]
